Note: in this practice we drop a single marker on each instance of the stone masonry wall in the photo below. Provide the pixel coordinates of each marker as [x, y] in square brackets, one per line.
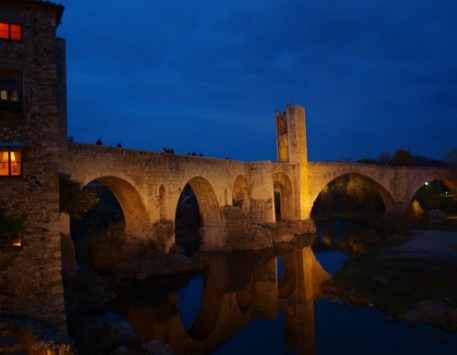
[145, 174]
[34, 278]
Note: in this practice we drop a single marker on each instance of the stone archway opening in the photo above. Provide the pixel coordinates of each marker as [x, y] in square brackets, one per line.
[283, 197]
[351, 195]
[105, 218]
[118, 219]
[437, 195]
[188, 222]
[350, 213]
[199, 194]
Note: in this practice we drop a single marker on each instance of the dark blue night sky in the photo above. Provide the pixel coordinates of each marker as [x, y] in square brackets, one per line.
[207, 75]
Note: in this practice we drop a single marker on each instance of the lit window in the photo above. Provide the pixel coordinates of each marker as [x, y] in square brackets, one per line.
[4, 95]
[15, 96]
[11, 91]
[4, 30]
[16, 32]
[10, 163]
[10, 31]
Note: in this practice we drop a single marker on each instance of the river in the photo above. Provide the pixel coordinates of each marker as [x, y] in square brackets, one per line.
[267, 302]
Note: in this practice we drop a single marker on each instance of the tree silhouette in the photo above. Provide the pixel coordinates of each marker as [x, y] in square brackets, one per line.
[451, 158]
[75, 200]
[402, 158]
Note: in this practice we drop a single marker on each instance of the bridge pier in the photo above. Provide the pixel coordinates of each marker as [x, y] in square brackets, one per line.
[212, 237]
[163, 234]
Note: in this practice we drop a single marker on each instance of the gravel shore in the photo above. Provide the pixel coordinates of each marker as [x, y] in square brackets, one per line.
[431, 243]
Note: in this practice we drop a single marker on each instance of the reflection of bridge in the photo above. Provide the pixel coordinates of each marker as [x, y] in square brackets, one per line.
[232, 299]
[232, 194]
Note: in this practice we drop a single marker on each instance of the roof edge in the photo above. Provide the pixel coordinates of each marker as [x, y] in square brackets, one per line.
[57, 8]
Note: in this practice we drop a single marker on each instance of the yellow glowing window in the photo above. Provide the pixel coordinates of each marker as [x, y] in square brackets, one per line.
[15, 96]
[10, 31]
[10, 163]
[4, 95]
[11, 89]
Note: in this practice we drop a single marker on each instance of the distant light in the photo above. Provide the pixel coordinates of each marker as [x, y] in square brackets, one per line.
[426, 183]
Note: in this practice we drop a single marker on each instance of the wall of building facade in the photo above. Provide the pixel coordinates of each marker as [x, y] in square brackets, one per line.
[34, 278]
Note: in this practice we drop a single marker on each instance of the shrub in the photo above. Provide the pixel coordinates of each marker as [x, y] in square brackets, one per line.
[74, 200]
[416, 210]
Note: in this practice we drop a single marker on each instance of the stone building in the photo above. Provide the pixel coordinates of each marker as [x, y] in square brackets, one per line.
[32, 128]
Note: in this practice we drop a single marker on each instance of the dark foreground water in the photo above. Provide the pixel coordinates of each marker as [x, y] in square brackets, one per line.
[338, 328]
[268, 303]
[343, 329]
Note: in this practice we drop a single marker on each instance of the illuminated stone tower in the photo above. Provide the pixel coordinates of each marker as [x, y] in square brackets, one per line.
[291, 135]
[292, 148]
[32, 130]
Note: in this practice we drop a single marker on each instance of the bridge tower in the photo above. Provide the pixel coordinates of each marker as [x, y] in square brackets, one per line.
[32, 132]
[291, 135]
[292, 149]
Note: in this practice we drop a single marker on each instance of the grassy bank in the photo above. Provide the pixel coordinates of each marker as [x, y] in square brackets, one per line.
[417, 286]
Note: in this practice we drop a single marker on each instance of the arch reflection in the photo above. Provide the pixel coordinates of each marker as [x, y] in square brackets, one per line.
[238, 288]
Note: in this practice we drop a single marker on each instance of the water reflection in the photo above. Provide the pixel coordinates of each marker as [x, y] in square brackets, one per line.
[238, 288]
[189, 300]
[348, 236]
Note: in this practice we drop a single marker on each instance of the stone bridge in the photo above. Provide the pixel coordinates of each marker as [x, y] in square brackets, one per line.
[230, 193]
[237, 200]
[148, 186]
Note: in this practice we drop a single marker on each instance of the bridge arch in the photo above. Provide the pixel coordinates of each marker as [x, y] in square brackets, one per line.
[433, 193]
[386, 197]
[283, 197]
[210, 214]
[135, 214]
[240, 194]
[417, 185]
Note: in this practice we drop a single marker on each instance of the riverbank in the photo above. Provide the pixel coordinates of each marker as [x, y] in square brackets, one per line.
[415, 281]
